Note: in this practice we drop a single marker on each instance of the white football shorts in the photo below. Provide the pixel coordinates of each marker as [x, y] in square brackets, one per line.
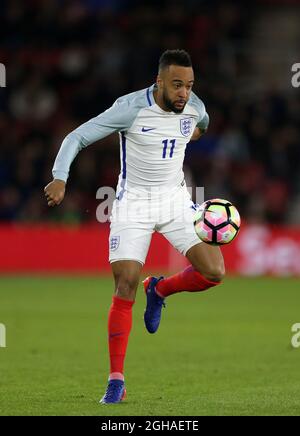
[137, 214]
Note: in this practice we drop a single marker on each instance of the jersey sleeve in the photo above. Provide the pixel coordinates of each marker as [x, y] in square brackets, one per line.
[203, 118]
[203, 123]
[118, 117]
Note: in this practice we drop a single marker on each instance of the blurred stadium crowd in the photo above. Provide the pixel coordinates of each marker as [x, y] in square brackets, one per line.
[67, 61]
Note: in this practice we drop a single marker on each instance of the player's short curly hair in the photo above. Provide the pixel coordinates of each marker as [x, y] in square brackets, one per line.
[174, 57]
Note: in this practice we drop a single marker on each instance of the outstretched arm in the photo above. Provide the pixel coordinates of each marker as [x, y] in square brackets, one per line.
[114, 119]
[55, 192]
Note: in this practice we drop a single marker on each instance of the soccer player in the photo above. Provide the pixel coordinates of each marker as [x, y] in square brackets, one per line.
[155, 125]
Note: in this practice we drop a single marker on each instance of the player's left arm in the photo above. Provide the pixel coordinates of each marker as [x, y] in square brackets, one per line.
[200, 128]
[197, 134]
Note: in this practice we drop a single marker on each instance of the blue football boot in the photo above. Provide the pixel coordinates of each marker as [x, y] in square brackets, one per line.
[115, 392]
[152, 313]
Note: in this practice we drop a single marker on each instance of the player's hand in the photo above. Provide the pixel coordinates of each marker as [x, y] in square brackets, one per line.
[55, 192]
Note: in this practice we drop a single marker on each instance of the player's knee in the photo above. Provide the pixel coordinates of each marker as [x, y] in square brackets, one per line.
[215, 273]
[126, 285]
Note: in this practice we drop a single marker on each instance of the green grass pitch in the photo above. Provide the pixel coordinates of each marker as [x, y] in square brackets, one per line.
[223, 352]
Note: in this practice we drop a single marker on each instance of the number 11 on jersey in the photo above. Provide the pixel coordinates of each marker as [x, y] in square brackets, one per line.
[166, 143]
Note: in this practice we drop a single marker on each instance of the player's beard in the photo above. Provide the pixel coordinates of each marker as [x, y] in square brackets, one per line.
[171, 105]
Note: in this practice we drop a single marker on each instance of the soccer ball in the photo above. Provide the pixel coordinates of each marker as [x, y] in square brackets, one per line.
[217, 222]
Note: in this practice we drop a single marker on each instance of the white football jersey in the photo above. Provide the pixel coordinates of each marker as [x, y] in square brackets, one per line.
[152, 141]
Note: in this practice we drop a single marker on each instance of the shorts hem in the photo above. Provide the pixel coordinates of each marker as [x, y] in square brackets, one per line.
[127, 258]
[191, 246]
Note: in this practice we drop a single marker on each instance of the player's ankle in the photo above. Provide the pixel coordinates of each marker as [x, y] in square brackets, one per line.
[157, 291]
[116, 376]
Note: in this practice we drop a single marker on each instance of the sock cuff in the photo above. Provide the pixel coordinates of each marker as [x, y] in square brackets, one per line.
[205, 280]
[121, 303]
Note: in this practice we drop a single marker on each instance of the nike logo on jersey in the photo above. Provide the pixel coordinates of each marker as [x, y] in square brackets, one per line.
[147, 129]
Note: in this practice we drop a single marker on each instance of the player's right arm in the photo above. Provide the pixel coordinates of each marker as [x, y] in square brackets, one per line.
[118, 117]
[55, 192]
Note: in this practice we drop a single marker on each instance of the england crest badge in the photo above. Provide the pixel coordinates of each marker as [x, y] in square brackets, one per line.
[186, 126]
[114, 243]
